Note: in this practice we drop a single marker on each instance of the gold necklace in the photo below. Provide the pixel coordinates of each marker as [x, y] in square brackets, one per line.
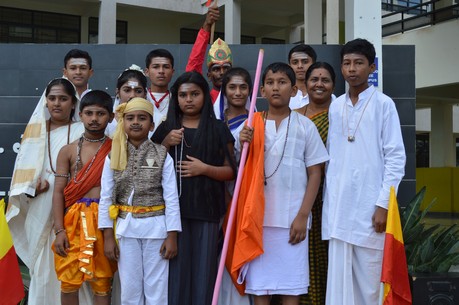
[351, 138]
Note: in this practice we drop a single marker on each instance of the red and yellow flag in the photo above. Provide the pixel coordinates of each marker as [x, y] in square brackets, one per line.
[394, 273]
[11, 287]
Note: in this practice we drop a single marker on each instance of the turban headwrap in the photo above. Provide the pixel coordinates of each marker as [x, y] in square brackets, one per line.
[219, 53]
[118, 155]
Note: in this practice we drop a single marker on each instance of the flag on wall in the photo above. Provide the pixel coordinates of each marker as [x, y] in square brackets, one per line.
[11, 287]
[394, 273]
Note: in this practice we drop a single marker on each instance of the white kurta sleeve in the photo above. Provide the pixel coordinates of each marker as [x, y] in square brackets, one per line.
[170, 194]
[393, 154]
[107, 184]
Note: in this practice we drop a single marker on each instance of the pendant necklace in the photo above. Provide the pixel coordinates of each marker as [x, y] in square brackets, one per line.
[265, 117]
[48, 130]
[351, 137]
[78, 158]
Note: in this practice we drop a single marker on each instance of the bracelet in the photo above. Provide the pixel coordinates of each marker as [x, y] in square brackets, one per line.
[62, 175]
[58, 231]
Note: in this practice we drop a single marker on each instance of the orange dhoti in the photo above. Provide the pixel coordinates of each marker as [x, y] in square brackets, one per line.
[85, 259]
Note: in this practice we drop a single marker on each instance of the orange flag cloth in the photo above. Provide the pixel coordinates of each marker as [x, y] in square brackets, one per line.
[394, 273]
[246, 239]
[11, 287]
[74, 191]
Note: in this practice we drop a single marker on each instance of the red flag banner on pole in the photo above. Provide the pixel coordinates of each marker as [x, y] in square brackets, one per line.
[394, 273]
[11, 287]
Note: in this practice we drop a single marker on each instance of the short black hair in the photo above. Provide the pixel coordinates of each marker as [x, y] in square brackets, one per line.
[279, 67]
[159, 53]
[76, 53]
[360, 46]
[99, 98]
[303, 48]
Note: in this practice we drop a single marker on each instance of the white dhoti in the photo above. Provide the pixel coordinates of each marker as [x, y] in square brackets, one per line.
[354, 274]
[143, 272]
[282, 268]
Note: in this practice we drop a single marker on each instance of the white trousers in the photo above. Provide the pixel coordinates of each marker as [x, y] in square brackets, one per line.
[143, 272]
[354, 274]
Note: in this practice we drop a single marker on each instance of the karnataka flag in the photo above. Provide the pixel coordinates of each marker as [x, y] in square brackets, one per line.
[394, 273]
[11, 287]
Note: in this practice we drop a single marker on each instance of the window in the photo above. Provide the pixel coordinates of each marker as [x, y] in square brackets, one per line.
[26, 26]
[188, 36]
[121, 31]
[457, 152]
[272, 41]
[422, 150]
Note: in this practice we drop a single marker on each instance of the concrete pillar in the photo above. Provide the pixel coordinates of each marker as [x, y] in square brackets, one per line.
[332, 21]
[233, 22]
[107, 22]
[363, 20]
[442, 140]
[313, 22]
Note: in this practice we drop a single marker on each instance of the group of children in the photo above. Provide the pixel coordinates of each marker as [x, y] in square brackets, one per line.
[144, 189]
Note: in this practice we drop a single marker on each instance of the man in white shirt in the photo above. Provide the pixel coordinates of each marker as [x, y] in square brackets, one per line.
[159, 68]
[300, 58]
[367, 157]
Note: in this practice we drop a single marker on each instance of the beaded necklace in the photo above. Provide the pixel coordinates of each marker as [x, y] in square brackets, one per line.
[179, 168]
[265, 117]
[48, 130]
[78, 158]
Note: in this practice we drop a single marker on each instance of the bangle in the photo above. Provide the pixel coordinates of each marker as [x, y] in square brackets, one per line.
[62, 175]
[58, 231]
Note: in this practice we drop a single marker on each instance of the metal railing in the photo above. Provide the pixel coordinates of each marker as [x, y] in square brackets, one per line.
[415, 16]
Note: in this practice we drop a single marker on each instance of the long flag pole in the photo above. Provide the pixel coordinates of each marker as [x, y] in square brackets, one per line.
[212, 28]
[237, 188]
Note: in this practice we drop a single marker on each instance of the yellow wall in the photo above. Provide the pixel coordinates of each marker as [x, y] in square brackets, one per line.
[441, 183]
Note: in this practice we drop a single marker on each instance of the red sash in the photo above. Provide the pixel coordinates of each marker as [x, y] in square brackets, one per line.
[74, 191]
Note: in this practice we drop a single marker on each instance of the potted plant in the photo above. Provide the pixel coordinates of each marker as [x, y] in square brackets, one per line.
[431, 250]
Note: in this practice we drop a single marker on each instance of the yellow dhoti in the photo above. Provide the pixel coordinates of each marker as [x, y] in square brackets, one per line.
[85, 259]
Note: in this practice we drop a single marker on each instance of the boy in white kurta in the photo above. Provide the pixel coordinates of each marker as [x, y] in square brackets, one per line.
[138, 180]
[367, 157]
[293, 156]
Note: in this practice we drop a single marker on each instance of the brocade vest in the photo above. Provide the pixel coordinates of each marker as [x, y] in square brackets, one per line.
[143, 173]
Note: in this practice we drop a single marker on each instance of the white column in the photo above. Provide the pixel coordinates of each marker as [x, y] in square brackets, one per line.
[442, 140]
[312, 22]
[332, 21]
[295, 34]
[233, 22]
[363, 20]
[107, 22]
